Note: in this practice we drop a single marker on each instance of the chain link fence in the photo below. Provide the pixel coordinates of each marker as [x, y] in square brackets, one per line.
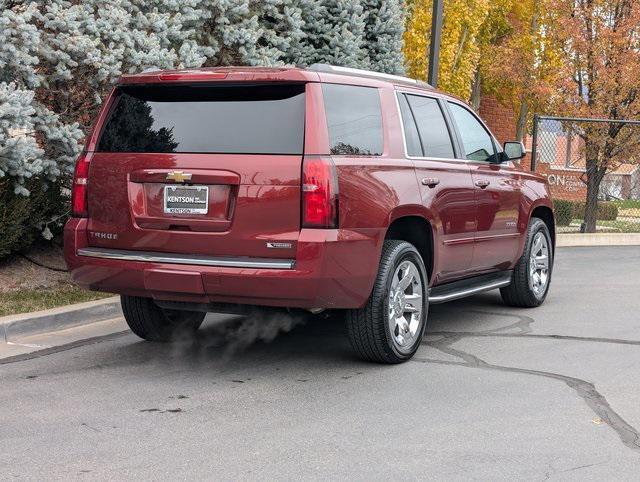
[593, 169]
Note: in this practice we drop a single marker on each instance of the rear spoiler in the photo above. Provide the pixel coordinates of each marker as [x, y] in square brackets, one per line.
[236, 74]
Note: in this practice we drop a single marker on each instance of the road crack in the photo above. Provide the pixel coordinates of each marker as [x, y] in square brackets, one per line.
[629, 435]
[475, 334]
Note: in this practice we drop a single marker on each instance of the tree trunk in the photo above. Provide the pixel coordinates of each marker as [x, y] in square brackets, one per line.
[476, 90]
[529, 80]
[591, 205]
[594, 174]
[522, 118]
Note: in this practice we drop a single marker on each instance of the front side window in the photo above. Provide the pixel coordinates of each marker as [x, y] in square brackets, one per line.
[478, 145]
[434, 133]
[234, 119]
[354, 119]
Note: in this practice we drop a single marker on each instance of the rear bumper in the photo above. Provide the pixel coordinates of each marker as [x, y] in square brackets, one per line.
[334, 268]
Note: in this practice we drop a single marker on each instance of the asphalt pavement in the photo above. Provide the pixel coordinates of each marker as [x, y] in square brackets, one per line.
[494, 393]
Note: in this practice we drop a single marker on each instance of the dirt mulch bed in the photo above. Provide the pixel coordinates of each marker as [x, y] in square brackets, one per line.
[19, 273]
[38, 280]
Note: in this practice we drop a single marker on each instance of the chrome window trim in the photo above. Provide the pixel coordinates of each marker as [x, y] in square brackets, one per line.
[190, 259]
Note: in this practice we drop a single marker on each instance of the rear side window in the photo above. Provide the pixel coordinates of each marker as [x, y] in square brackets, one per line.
[242, 119]
[477, 142]
[436, 140]
[412, 139]
[354, 119]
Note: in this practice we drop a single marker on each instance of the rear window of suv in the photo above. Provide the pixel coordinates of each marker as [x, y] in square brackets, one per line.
[232, 119]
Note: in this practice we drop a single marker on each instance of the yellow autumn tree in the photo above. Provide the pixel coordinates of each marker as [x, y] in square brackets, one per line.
[460, 46]
[499, 47]
[520, 64]
[495, 28]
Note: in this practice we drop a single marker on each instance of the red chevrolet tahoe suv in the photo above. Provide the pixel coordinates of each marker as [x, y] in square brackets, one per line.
[323, 188]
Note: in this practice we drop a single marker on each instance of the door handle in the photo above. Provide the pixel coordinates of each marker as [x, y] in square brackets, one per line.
[430, 181]
[482, 183]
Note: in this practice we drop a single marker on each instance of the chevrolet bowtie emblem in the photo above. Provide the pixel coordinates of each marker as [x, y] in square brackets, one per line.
[178, 176]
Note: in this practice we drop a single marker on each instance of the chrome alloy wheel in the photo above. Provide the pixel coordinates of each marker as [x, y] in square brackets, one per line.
[539, 265]
[405, 306]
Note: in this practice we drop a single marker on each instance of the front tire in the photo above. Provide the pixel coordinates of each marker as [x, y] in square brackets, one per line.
[152, 323]
[532, 275]
[389, 328]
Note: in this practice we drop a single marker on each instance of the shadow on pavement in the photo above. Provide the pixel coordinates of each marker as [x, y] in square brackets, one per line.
[313, 340]
[230, 343]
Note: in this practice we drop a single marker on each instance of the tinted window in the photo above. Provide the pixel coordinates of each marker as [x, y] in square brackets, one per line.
[414, 148]
[477, 142]
[354, 119]
[225, 119]
[436, 140]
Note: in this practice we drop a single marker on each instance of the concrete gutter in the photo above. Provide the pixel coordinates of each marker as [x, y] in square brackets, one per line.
[598, 239]
[26, 324]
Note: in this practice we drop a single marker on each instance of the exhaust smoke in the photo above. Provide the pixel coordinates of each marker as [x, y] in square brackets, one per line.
[260, 325]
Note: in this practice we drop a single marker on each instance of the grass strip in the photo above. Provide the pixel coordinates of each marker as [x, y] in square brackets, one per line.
[25, 301]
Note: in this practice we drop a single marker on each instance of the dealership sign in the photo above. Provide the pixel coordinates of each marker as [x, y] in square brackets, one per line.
[564, 183]
[567, 182]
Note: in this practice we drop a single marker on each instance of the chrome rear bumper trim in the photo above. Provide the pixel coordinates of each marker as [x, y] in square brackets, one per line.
[191, 259]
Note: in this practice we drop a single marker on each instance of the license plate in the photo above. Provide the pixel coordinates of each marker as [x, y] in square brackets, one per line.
[186, 199]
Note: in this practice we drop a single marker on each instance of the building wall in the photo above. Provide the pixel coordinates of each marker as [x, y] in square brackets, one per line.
[502, 121]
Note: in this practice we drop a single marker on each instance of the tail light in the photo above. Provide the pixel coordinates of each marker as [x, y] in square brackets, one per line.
[319, 193]
[79, 187]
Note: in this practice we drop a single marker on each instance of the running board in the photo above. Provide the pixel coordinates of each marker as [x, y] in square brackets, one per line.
[469, 286]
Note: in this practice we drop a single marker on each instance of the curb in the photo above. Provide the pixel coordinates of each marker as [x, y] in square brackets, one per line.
[55, 319]
[598, 239]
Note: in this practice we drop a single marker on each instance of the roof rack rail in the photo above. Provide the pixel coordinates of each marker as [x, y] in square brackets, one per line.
[334, 69]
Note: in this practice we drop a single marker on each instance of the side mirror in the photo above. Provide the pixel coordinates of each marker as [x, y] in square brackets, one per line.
[514, 150]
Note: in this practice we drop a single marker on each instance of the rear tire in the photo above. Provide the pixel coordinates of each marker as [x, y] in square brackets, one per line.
[152, 323]
[530, 281]
[389, 328]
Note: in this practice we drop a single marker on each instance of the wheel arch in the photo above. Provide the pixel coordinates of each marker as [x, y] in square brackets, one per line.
[409, 227]
[545, 213]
